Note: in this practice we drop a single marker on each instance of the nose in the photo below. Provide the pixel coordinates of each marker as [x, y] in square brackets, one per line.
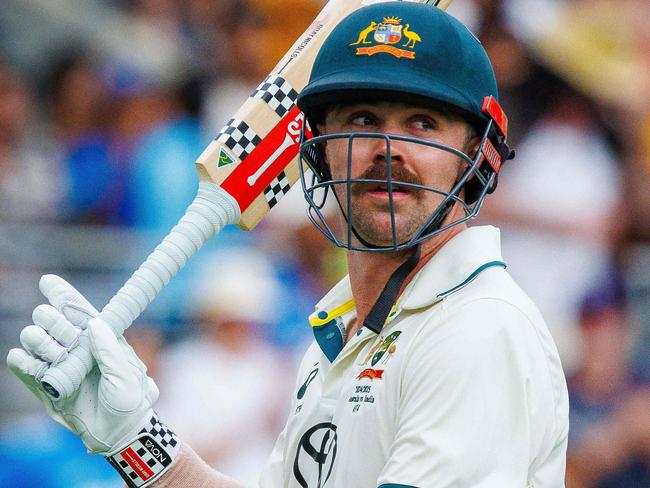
[383, 148]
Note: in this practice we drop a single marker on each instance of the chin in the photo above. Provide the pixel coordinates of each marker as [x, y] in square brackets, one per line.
[382, 237]
[376, 228]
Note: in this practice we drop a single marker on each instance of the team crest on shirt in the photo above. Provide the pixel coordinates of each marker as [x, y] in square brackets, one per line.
[383, 351]
[389, 36]
[367, 388]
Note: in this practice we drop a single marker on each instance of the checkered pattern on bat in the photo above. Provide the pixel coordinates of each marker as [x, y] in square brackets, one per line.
[239, 137]
[277, 93]
[277, 189]
[161, 433]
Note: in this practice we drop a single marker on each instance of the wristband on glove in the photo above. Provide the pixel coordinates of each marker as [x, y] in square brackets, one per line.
[144, 459]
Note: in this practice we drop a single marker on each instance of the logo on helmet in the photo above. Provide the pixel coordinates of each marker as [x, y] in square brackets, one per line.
[387, 35]
[389, 31]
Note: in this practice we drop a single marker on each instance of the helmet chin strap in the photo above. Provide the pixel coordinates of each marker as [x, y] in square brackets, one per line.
[381, 309]
[440, 218]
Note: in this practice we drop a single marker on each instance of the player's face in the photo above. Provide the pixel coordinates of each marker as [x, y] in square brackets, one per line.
[410, 163]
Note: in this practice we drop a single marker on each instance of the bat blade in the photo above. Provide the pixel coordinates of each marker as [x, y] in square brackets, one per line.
[254, 157]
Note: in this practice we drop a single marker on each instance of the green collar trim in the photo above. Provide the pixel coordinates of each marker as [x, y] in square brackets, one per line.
[328, 327]
[472, 277]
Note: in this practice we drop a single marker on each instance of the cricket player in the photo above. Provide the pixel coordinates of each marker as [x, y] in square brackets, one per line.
[430, 367]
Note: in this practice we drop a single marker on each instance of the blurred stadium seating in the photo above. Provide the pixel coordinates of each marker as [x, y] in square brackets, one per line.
[104, 105]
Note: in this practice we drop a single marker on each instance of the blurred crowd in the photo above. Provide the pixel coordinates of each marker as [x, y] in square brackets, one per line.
[105, 105]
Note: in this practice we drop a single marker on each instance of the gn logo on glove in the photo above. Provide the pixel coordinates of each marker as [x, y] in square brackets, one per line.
[388, 34]
[141, 461]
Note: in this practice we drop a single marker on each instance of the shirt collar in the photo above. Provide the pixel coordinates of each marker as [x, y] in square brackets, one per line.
[454, 266]
[338, 296]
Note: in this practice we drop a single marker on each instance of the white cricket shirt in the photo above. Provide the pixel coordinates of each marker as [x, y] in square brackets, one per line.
[463, 387]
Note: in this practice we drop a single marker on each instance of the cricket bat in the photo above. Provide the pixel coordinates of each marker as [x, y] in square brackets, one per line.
[244, 172]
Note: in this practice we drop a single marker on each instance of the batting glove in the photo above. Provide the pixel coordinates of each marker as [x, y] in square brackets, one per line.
[112, 408]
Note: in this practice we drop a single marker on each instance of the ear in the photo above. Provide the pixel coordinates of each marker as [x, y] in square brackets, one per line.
[321, 130]
[473, 146]
[470, 147]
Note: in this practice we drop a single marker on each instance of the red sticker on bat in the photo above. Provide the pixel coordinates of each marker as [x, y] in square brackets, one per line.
[267, 160]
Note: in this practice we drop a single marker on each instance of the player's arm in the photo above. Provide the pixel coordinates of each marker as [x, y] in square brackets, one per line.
[469, 403]
[190, 471]
[112, 408]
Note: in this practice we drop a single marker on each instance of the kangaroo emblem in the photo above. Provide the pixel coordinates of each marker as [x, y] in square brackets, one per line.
[363, 36]
[412, 37]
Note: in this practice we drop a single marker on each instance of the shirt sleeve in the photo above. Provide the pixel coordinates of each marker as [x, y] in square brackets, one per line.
[190, 471]
[467, 395]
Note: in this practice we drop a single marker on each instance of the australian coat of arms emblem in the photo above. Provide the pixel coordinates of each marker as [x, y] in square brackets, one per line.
[390, 36]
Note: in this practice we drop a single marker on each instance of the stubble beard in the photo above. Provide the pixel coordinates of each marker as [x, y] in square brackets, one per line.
[376, 228]
[371, 221]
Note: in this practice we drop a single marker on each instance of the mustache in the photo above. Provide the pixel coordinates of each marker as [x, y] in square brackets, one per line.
[399, 174]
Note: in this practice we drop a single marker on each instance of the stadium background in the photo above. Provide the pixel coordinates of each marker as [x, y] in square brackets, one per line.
[104, 105]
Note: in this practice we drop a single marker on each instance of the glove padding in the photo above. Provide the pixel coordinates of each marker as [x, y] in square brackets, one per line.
[113, 403]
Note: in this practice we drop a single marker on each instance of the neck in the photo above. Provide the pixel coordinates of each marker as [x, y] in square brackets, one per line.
[369, 272]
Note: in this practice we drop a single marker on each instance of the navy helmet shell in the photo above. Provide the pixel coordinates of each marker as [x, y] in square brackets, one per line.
[402, 51]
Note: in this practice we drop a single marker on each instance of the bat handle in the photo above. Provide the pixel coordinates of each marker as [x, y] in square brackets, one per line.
[441, 4]
[211, 210]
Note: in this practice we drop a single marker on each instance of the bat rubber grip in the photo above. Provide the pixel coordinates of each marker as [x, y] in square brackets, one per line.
[211, 210]
[62, 380]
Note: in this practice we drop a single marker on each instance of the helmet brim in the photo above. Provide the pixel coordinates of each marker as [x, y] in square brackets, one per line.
[344, 88]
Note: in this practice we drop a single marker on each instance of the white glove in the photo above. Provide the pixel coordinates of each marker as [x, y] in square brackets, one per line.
[112, 403]
[112, 407]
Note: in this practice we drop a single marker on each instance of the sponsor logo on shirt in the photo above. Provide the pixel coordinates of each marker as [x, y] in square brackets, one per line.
[313, 374]
[311, 377]
[315, 456]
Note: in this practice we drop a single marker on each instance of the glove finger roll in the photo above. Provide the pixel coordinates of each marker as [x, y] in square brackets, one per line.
[40, 345]
[57, 326]
[65, 298]
[22, 364]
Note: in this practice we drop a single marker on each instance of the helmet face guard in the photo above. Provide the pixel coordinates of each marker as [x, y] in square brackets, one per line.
[318, 185]
[366, 58]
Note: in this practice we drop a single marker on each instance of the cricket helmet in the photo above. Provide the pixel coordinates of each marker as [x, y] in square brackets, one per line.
[416, 54]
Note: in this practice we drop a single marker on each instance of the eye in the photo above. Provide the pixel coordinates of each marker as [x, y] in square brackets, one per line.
[363, 119]
[423, 122]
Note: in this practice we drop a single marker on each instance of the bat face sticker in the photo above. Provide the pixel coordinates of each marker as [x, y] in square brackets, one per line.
[224, 158]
